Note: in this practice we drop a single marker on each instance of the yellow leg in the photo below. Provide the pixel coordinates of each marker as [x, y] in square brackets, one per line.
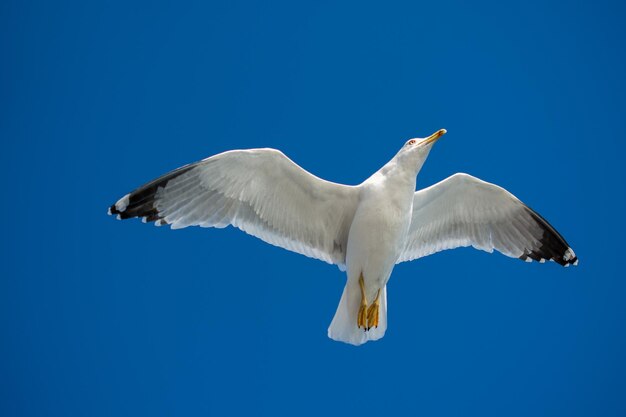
[361, 320]
[372, 312]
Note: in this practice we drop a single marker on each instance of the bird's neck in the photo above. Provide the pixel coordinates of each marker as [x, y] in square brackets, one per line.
[399, 172]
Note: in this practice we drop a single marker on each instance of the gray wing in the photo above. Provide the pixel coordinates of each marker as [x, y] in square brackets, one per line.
[259, 191]
[465, 211]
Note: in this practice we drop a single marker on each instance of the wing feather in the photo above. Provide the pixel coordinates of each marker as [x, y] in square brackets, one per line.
[259, 191]
[465, 211]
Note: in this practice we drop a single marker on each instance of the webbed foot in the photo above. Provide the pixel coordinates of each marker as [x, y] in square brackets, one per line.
[372, 312]
[361, 320]
[367, 316]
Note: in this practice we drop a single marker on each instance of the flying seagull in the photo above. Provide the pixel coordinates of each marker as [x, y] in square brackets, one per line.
[365, 229]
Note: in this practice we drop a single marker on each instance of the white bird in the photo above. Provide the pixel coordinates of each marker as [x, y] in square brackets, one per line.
[365, 229]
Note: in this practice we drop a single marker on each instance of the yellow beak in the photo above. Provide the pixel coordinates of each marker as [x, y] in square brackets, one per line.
[434, 137]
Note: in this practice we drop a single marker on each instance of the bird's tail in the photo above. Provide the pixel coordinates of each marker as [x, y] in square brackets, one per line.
[344, 328]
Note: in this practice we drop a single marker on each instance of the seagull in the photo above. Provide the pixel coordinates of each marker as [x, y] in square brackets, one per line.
[365, 230]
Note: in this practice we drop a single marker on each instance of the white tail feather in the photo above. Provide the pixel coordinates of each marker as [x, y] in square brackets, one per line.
[343, 328]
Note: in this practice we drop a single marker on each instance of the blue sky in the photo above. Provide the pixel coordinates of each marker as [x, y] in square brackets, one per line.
[102, 318]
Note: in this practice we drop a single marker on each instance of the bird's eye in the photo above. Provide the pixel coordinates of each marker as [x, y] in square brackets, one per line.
[412, 142]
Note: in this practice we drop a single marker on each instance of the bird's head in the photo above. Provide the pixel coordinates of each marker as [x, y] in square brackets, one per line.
[415, 151]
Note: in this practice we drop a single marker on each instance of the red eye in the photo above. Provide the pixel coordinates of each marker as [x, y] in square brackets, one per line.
[412, 142]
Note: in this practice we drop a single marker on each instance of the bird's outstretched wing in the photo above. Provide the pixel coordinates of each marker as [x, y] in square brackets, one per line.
[465, 211]
[260, 191]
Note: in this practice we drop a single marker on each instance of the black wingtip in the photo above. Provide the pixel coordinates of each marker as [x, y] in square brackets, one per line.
[141, 202]
[551, 245]
[113, 210]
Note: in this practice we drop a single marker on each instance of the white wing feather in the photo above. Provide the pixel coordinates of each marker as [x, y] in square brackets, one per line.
[465, 211]
[260, 191]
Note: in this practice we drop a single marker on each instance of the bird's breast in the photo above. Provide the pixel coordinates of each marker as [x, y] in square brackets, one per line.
[377, 237]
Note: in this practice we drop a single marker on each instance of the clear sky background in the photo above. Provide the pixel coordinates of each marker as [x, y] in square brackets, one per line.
[107, 318]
